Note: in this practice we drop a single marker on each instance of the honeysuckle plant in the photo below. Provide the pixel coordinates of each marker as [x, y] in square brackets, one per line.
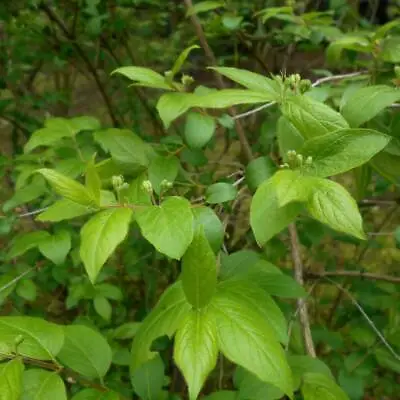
[217, 304]
[112, 207]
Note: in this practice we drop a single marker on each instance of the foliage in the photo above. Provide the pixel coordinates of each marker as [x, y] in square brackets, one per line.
[155, 262]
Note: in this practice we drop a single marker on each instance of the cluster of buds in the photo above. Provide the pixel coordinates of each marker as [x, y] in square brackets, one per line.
[296, 160]
[119, 183]
[147, 186]
[165, 185]
[295, 83]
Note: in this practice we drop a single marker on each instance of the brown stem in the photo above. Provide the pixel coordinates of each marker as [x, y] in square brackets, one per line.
[60, 23]
[301, 303]
[354, 274]
[220, 83]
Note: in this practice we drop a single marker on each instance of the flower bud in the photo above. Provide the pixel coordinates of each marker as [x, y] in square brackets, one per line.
[187, 80]
[308, 160]
[165, 185]
[117, 181]
[18, 340]
[299, 158]
[147, 186]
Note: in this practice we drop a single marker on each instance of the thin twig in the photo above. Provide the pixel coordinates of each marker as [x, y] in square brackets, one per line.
[255, 110]
[316, 83]
[301, 303]
[367, 318]
[354, 274]
[16, 279]
[244, 143]
[337, 77]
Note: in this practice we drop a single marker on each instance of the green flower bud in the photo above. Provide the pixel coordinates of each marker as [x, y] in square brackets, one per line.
[299, 159]
[165, 185]
[147, 186]
[187, 80]
[308, 160]
[291, 155]
[117, 181]
[18, 340]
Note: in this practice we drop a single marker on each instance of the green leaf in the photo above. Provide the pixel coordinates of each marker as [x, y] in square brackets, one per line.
[163, 168]
[109, 291]
[250, 387]
[342, 150]
[199, 271]
[68, 188]
[124, 146]
[62, 210]
[317, 386]
[196, 350]
[390, 49]
[102, 307]
[168, 227]
[27, 290]
[331, 204]
[199, 129]
[92, 394]
[267, 218]
[238, 263]
[386, 360]
[40, 339]
[258, 171]
[352, 383]
[85, 351]
[251, 295]
[387, 165]
[163, 320]
[84, 123]
[144, 77]
[149, 379]
[204, 6]
[181, 59]
[222, 395]
[220, 193]
[248, 265]
[26, 194]
[11, 379]
[365, 103]
[301, 365]
[39, 384]
[349, 42]
[252, 81]
[126, 331]
[312, 118]
[56, 247]
[231, 22]
[100, 236]
[93, 182]
[206, 218]
[24, 242]
[245, 338]
[172, 105]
